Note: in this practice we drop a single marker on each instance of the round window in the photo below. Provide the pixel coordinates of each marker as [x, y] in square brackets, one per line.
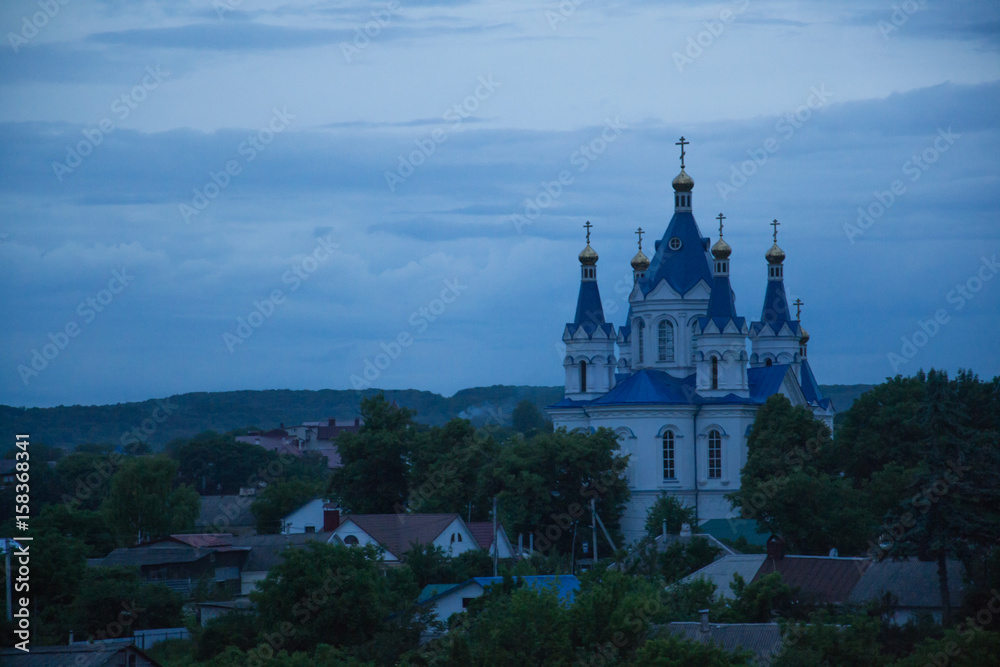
[675, 243]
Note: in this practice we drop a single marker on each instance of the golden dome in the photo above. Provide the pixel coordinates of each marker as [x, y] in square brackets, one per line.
[682, 182]
[640, 262]
[805, 335]
[721, 249]
[775, 255]
[588, 257]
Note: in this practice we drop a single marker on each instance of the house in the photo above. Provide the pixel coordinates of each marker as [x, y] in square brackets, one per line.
[181, 562]
[315, 515]
[913, 584]
[319, 437]
[265, 551]
[483, 532]
[227, 514]
[819, 579]
[100, 654]
[456, 598]
[763, 640]
[398, 533]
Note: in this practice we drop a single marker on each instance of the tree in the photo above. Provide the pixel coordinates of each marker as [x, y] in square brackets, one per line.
[449, 470]
[547, 483]
[958, 648]
[848, 642]
[612, 612]
[674, 512]
[676, 652]
[785, 489]
[280, 498]
[529, 420]
[216, 464]
[374, 476]
[144, 504]
[90, 527]
[113, 603]
[330, 594]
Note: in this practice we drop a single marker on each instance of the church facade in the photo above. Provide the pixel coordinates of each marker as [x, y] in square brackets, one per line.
[681, 380]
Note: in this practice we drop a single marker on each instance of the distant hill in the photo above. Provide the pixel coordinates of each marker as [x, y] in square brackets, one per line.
[68, 426]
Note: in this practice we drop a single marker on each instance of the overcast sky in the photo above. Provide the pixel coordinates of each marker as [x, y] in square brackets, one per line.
[168, 168]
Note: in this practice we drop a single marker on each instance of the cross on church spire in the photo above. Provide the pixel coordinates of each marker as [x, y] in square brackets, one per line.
[720, 218]
[682, 143]
[798, 308]
[775, 224]
[588, 226]
[640, 232]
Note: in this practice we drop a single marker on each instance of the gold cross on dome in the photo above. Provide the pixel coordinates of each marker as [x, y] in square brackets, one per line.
[720, 218]
[588, 226]
[775, 224]
[798, 308]
[682, 143]
[640, 233]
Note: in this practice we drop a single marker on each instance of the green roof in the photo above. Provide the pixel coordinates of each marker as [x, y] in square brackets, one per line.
[733, 529]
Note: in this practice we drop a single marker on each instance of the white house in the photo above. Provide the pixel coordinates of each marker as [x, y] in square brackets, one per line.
[689, 374]
[398, 533]
[317, 515]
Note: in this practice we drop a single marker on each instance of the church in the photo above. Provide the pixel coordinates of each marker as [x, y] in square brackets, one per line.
[682, 391]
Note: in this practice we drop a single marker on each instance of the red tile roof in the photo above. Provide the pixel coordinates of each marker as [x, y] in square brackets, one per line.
[821, 579]
[483, 532]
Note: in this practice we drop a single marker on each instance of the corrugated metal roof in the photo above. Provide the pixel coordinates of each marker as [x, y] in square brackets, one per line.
[914, 583]
[722, 572]
[78, 655]
[227, 510]
[821, 579]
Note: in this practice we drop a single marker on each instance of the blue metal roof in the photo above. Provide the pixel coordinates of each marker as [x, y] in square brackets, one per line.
[721, 306]
[588, 305]
[775, 312]
[765, 381]
[565, 585]
[810, 388]
[683, 268]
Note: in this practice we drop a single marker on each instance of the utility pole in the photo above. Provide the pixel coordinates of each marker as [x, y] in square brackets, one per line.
[593, 526]
[496, 550]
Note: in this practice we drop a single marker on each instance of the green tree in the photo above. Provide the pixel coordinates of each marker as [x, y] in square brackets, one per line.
[676, 652]
[280, 498]
[612, 612]
[449, 470]
[785, 489]
[528, 419]
[144, 503]
[216, 464]
[958, 648]
[90, 527]
[547, 483]
[847, 642]
[113, 603]
[374, 476]
[668, 508]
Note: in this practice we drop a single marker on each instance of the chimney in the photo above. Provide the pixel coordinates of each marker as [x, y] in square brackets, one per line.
[704, 620]
[685, 530]
[775, 547]
[331, 519]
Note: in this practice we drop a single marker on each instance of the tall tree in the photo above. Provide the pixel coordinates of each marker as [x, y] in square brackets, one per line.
[449, 467]
[374, 477]
[144, 502]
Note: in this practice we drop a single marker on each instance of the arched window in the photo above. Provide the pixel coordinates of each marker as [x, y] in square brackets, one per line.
[715, 372]
[714, 454]
[641, 339]
[456, 537]
[668, 455]
[583, 376]
[768, 362]
[351, 540]
[665, 340]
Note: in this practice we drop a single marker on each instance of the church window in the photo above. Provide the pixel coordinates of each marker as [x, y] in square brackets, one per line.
[668, 455]
[666, 341]
[768, 362]
[714, 454]
[640, 339]
[715, 372]
[675, 243]
[583, 376]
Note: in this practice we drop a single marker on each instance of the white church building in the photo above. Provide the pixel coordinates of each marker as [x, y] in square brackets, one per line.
[682, 379]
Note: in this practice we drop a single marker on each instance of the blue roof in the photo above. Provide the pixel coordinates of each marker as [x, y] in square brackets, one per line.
[721, 306]
[565, 585]
[810, 388]
[588, 305]
[653, 387]
[775, 311]
[683, 268]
